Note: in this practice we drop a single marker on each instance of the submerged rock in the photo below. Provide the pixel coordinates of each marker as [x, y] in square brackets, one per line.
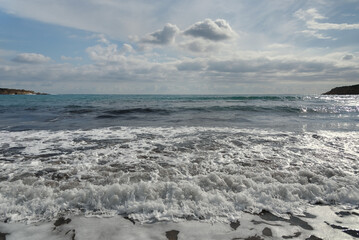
[345, 90]
[3, 236]
[172, 235]
[267, 232]
[235, 225]
[62, 221]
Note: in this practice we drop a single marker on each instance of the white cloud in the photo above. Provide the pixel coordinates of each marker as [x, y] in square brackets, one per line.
[31, 58]
[162, 37]
[101, 38]
[211, 30]
[308, 15]
[311, 17]
[108, 52]
[315, 34]
[214, 56]
[202, 37]
[332, 26]
[115, 72]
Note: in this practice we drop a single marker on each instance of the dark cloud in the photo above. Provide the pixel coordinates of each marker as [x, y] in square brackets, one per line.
[212, 30]
[162, 37]
[348, 57]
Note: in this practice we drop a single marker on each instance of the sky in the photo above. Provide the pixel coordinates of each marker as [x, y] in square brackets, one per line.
[179, 46]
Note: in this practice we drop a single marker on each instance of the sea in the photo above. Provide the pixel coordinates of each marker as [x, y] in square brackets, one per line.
[194, 166]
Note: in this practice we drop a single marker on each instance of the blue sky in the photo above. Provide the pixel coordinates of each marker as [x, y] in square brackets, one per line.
[179, 47]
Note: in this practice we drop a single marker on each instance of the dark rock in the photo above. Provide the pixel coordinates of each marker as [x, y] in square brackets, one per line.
[73, 231]
[320, 203]
[346, 90]
[3, 236]
[235, 225]
[346, 213]
[267, 232]
[308, 215]
[62, 221]
[353, 233]
[130, 219]
[312, 237]
[9, 91]
[254, 238]
[299, 222]
[316, 136]
[268, 216]
[172, 235]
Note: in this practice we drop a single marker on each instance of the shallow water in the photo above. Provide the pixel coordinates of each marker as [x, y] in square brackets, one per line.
[175, 158]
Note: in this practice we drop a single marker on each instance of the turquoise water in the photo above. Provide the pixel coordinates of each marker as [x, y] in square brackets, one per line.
[56, 112]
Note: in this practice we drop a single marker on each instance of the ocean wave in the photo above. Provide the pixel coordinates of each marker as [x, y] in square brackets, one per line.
[156, 173]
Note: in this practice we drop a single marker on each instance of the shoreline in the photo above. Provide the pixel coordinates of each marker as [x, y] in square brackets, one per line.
[319, 222]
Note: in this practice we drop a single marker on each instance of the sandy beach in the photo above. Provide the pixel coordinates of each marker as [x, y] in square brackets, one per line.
[320, 222]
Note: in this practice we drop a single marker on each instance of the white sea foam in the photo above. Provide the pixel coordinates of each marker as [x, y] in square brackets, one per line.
[151, 174]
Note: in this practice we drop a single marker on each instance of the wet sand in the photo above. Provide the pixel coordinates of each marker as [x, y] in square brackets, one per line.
[323, 222]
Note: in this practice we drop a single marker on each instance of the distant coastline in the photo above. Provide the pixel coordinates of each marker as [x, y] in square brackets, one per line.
[10, 91]
[345, 90]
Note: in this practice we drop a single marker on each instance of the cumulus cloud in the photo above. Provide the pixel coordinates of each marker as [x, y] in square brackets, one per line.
[162, 37]
[201, 37]
[109, 52]
[31, 58]
[211, 30]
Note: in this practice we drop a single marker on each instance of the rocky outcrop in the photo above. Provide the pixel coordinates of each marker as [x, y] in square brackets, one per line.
[9, 91]
[346, 90]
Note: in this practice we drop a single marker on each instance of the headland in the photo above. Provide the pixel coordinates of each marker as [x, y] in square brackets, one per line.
[345, 90]
[10, 91]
